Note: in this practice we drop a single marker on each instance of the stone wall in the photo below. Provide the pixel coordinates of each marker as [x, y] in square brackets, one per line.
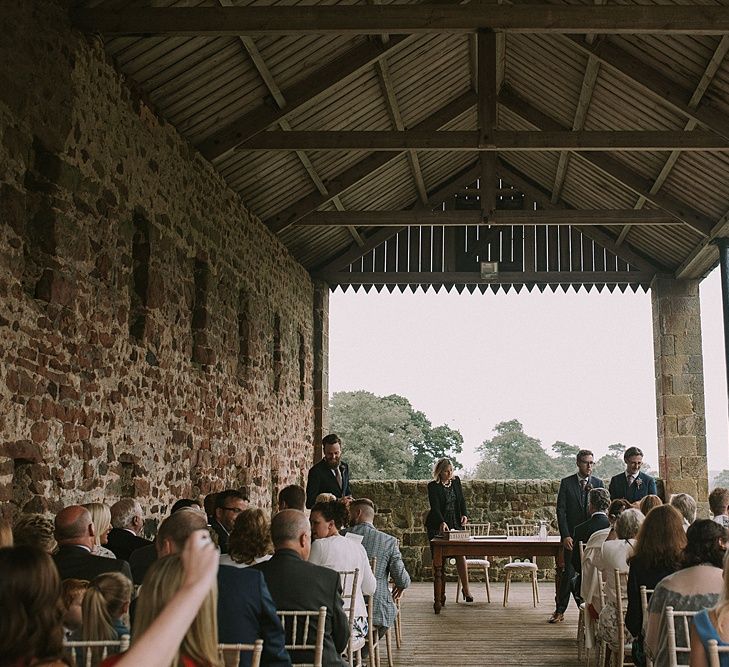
[155, 338]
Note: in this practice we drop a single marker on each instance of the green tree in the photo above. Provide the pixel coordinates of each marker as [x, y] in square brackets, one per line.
[511, 453]
[721, 480]
[611, 463]
[566, 458]
[386, 438]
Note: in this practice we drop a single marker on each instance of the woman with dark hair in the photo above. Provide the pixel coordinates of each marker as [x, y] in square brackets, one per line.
[695, 586]
[658, 552]
[448, 512]
[650, 502]
[31, 622]
[332, 550]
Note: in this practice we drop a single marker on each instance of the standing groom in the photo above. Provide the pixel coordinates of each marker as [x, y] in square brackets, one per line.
[330, 475]
[633, 485]
[572, 510]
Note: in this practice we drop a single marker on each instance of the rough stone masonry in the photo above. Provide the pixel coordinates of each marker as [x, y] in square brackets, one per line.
[155, 338]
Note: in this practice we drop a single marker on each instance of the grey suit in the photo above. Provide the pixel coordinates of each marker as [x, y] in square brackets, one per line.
[385, 548]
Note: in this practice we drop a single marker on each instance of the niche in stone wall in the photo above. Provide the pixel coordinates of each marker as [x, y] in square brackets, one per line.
[302, 367]
[202, 353]
[244, 335]
[139, 283]
[41, 276]
[277, 353]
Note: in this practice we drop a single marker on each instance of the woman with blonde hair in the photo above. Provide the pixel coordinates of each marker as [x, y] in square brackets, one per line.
[6, 533]
[105, 602]
[250, 540]
[101, 516]
[34, 530]
[199, 647]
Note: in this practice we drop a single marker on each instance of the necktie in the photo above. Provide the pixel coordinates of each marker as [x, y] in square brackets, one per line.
[631, 479]
[338, 475]
[583, 487]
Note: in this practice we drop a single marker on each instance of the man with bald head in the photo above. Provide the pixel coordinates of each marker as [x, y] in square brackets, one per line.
[74, 531]
[296, 584]
[389, 564]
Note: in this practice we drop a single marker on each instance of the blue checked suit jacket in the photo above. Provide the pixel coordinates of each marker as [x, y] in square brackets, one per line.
[384, 547]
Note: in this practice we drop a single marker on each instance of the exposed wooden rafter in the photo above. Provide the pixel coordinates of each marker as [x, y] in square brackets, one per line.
[503, 140]
[413, 217]
[487, 94]
[404, 19]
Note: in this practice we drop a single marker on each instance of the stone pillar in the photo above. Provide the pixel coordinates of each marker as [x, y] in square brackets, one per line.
[724, 263]
[680, 387]
[321, 365]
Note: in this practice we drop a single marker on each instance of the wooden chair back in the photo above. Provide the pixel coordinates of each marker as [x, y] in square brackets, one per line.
[621, 605]
[479, 529]
[678, 642]
[230, 654]
[644, 599]
[522, 530]
[348, 579]
[91, 653]
[299, 628]
[715, 652]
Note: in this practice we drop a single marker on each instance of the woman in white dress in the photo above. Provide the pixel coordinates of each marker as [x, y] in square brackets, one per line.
[332, 550]
[250, 540]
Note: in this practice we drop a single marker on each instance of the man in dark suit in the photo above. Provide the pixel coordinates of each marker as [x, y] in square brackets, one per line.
[633, 485]
[74, 532]
[296, 584]
[598, 503]
[330, 475]
[245, 609]
[572, 511]
[127, 520]
[228, 505]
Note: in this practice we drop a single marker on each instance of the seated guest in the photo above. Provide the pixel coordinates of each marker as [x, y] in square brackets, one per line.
[685, 504]
[325, 498]
[296, 584]
[292, 497]
[711, 624]
[209, 506]
[228, 505]
[633, 485]
[250, 540]
[615, 554]
[648, 503]
[31, 622]
[199, 647]
[695, 586]
[101, 516]
[332, 550]
[106, 601]
[389, 563]
[597, 505]
[245, 609]
[719, 503]
[72, 596]
[658, 552]
[34, 530]
[74, 532]
[142, 558]
[127, 520]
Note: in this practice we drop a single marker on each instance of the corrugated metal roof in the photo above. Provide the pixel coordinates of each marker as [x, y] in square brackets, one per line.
[203, 84]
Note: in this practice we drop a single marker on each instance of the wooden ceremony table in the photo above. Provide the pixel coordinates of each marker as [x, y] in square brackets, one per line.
[494, 545]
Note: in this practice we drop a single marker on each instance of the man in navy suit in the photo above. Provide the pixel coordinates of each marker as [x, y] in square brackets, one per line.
[599, 501]
[330, 475]
[572, 510]
[633, 485]
[246, 611]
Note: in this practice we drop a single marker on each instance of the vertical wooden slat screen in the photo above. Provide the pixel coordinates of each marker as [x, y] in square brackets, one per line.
[529, 248]
[437, 263]
[541, 248]
[553, 248]
[414, 251]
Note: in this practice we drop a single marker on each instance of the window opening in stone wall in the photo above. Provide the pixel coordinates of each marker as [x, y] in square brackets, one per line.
[302, 367]
[201, 352]
[277, 356]
[42, 278]
[244, 335]
[139, 286]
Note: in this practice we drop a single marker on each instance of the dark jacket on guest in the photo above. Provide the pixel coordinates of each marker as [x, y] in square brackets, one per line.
[597, 521]
[222, 534]
[640, 575]
[322, 480]
[140, 561]
[123, 542]
[296, 584]
[75, 562]
[246, 612]
[437, 500]
[572, 503]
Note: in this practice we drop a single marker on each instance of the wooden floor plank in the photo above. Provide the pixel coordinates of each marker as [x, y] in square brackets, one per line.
[480, 633]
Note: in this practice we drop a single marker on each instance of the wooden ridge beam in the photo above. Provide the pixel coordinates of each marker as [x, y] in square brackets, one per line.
[610, 166]
[503, 140]
[470, 277]
[414, 217]
[403, 19]
[365, 167]
[487, 116]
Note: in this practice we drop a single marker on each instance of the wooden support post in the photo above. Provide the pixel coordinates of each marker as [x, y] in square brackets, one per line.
[723, 244]
[321, 366]
[487, 97]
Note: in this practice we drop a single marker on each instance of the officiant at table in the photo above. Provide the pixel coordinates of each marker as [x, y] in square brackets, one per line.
[448, 512]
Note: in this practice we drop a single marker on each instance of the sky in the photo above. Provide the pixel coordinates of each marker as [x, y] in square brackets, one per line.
[575, 367]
